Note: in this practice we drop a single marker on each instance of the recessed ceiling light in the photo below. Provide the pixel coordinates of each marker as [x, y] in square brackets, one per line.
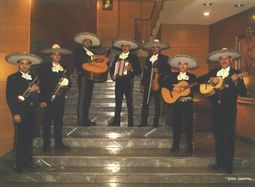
[207, 4]
[206, 14]
[238, 5]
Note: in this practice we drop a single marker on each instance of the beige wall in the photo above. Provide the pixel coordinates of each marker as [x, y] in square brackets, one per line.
[14, 36]
[192, 40]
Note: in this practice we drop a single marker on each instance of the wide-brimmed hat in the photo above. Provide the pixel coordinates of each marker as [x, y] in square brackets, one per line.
[174, 61]
[156, 43]
[215, 55]
[119, 42]
[79, 37]
[57, 48]
[14, 57]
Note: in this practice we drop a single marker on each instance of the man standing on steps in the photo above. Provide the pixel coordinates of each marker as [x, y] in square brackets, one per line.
[125, 66]
[183, 107]
[82, 55]
[224, 106]
[155, 72]
[22, 94]
[54, 82]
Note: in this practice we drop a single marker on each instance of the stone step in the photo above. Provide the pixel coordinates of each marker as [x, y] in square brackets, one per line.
[116, 133]
[107, 143]
[115, 174]
[72, 93]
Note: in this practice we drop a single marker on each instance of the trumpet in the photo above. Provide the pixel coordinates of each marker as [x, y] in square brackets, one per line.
[58, 89]
[26, 93]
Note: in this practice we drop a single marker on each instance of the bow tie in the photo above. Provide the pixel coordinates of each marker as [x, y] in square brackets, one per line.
[153, 58]
[26, 76]
[57, 68]
[223, 73]
[123, 56]
[182, 76]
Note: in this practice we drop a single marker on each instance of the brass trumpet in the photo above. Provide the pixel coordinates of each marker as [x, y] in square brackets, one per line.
[58, 89]
[23, 97]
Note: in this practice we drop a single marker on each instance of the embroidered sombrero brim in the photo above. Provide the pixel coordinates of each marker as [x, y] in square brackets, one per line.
[162, 45]
[87, 35]
[214, 56]
[13, 58]
[118, 43]
[58, 50]
[174, 61]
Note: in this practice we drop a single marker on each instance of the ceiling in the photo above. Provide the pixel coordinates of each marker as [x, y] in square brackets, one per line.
[190, 11]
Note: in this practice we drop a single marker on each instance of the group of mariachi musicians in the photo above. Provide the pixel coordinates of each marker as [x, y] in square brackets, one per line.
[25, 91]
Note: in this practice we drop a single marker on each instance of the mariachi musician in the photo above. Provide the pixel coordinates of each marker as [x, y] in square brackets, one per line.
[22, 94]
[82, 55]
[123, 69]
[183, 107]
[54, 82]
[224, 106]
[155, 73]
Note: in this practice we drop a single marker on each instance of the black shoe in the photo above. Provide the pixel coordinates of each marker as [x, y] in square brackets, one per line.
[175, 149]
[215, 166]
[89, 123]
[18, 169]
[62, 146]
[46, 148]
[114, 123]
[190, 151]
[143, 125]
[229, 170]
[33, 165]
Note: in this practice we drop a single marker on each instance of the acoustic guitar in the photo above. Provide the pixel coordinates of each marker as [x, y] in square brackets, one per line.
[171, 96]
[208, 89]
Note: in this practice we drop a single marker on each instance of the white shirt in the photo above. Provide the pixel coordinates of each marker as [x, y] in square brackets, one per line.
[26, 76]
[223, 72]
[182, 76]
[56, 67]
[154, 58]
[123, 55]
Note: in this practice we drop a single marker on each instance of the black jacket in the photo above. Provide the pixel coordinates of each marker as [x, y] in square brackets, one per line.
[134, 61]
[163, 67]
[49, 80]
[16, 85]
[80, 57]
[228, 94]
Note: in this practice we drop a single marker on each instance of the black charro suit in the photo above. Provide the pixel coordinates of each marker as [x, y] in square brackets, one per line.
[85, 85]
[124, 85]
[164, 71]
[183, 114]
[224, 116]
[55, 109]
[23, 137]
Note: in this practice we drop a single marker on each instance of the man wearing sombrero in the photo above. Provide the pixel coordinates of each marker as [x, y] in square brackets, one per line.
[54, 81]
[22, 98]
[156, 68]
[183, 107]
[224, 106]
[82, 55]
[129, 67]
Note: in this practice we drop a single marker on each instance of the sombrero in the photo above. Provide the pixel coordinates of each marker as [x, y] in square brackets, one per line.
[174, 61]
[156, 43]
[215, 55]
[14, 57]
[79, 37]
[132, 43]
[57, 48]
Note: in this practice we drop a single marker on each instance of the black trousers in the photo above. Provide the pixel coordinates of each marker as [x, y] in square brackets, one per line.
[183, 114]
[224, 126]
[123, 87]
[54, 113]
[145, 107]
[87, 93]
[23, 139]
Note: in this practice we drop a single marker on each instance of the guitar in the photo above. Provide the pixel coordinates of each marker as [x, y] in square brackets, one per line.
[208, 89]
[171, 96]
